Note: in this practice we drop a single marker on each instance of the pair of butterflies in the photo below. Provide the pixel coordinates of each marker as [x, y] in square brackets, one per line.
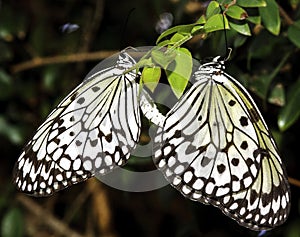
[213, 145]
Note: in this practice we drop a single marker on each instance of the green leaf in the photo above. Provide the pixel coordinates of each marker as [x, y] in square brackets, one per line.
[184, 30]
[237, 12]
[254, 19]
[50, 76]
[251, 3]
[212, 9]
[6, 85]
[12, 224]
[179, 71]
[176, 29]
[294, 33]
[270, 17]
[197, 28]
[241, 28]
[277, 95]
[144, 62]
[164, 43]
[239, 40]
[290, 113]
[163, 59]
[151, 76]
[215, 23]
[260, 86]
[12, 132]
[177, 37]
[201, 20]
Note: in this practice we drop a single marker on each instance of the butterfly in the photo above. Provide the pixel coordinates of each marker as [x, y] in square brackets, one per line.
[215, 147]
[92, 131]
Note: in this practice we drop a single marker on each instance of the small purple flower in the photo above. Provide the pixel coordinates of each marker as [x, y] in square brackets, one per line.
[69, 28]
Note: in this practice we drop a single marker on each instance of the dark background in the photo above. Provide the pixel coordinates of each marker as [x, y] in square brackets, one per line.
[32, 30]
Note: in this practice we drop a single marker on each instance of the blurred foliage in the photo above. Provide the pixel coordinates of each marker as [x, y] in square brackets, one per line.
[265, 58]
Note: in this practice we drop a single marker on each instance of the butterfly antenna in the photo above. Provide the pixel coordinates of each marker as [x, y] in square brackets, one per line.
[228, 49]
[124, 27]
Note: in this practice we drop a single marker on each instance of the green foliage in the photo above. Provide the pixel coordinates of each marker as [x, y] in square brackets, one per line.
[294, 33]
[5, 85]
[270, 17]
[216, 22]
[11, 131]
[253, 3]
[12, 224]
[233, 17]
[151, 76]
[179, 71]
[277, 95]
[290, 113]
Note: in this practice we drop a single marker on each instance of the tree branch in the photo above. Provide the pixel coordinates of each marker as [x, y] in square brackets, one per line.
[71, 58]
[285, 16]
[101, 208]
[46, 218]
[294, 182]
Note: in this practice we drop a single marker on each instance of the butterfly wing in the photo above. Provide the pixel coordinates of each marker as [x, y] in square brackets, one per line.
[266, 203]
[90, 132]
[214, 147]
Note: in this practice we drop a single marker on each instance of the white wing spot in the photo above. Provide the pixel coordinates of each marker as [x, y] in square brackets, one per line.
[108, 160]
[179, 169]
[243, 211]
[234, 206]
[98, 162]
[76, 164]
[42, 185]
[65, 163]
[187, 177]
[59, 177]
[87, 165]
[186, 189]
[171, 161]
[198, 184]
[177, 180]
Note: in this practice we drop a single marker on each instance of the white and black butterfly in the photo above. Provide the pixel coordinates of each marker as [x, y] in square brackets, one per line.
[214, 147]
[93, 130]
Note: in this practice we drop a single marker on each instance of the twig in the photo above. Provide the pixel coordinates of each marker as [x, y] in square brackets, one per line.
[293, 181]
[76, 205]
[46, 218]
[285, 16]
[101, 208]
[71, 58]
